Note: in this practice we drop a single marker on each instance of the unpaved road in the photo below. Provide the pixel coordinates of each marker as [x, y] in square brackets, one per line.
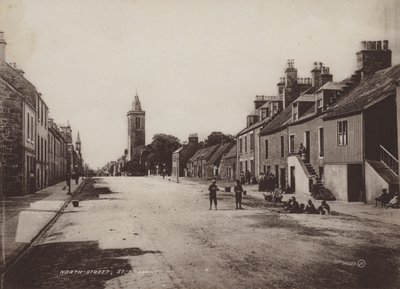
[153, 233]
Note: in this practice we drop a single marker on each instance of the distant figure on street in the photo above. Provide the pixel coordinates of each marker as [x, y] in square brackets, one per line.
[324, 208]
[163, 173]
[310, 208]
[394, 202]
[295, 207]
[238, 195]
[76, 178]
[248, 177]
[213, 193]
[68, 181]
[384, 198]
[262, 183]
[302, 151]
[242, 178]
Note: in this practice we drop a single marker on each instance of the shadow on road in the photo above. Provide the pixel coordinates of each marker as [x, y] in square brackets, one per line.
[70, 265]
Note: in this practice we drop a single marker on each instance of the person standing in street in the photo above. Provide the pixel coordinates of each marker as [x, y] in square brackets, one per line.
[213, 193]
[68, 182]
[238, 195]
[76, 178]
[248, 177]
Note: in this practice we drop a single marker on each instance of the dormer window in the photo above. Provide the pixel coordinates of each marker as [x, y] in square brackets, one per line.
[294, 116]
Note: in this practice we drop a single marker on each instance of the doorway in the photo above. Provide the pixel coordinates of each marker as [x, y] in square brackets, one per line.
[354, 183]
[283, 179]
[277, 175]
[292, 179]
[307, 145]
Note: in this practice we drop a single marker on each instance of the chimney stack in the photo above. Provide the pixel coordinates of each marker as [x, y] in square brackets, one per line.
[3, 45]
[377, 56]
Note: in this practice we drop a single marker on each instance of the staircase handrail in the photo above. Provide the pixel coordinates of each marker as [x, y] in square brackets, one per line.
[394, 168]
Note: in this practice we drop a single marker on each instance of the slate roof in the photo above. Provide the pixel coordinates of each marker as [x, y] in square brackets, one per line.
[254, 126]
[196, 155]
[218, 153]
[370, 91]
[231, 153]
[279, 122]
[207, 152]
[333, 86]
[306, 97]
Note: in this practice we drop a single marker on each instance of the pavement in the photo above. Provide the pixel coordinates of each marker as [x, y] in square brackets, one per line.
[355, 209]
[137, 232]
[25, 217]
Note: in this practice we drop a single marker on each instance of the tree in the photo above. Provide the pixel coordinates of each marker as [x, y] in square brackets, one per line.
[216, 137]
[159, 152]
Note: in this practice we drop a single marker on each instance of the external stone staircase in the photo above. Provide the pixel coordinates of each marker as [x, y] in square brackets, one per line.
[313, 174]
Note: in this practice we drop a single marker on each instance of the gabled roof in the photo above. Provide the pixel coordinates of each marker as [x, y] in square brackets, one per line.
[218, 153]
[279, 122]
[230, 153]
[370, 91]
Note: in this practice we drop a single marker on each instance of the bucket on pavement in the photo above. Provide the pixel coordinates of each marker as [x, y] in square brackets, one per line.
[228, 189]
[75, 203]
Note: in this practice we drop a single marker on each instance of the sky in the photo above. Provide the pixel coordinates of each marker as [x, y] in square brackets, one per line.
[197, 64]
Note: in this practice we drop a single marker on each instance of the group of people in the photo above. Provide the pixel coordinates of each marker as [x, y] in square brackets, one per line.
[267, 182]
[388, 200]
[293, 207]
[245, 177]
[238, 189]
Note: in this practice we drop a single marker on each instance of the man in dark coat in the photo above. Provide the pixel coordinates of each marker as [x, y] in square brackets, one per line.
[238, 195]
[213, 193]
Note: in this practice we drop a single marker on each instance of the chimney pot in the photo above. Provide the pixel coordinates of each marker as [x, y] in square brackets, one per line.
[385, 44]
[379, 45]
[363, 45]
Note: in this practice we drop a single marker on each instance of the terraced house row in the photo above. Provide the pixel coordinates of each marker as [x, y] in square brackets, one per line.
[348, 129]
[34, 151]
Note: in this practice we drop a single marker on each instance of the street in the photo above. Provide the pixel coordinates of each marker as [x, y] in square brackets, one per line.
[137, 232]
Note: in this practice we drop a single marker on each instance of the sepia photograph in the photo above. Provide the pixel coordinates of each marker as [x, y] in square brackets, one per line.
[199, 144]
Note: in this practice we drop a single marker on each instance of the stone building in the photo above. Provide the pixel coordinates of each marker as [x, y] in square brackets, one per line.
[42, 134]
[18, 102]
[183, 154]
[136, 130]
[228, 165]
[57, 157]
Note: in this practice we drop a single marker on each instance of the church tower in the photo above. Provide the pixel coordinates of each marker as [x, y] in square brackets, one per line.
[136, 130]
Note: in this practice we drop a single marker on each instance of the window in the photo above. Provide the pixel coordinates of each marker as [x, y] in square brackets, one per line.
[137, 122]
[240, 144]
[28, 127]
[291, 144]
[252, 141]
[342, 132]
[321, 141]
[282, 146]
[294, 116]
[266, 149]
[245, 143]
[32, 128]
[41, 113]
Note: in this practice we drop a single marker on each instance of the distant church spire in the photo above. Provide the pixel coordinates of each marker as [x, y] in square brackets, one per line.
[78, 139]
[136, 104]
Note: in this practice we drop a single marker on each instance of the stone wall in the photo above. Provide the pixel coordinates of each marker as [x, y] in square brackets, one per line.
[11, 151]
